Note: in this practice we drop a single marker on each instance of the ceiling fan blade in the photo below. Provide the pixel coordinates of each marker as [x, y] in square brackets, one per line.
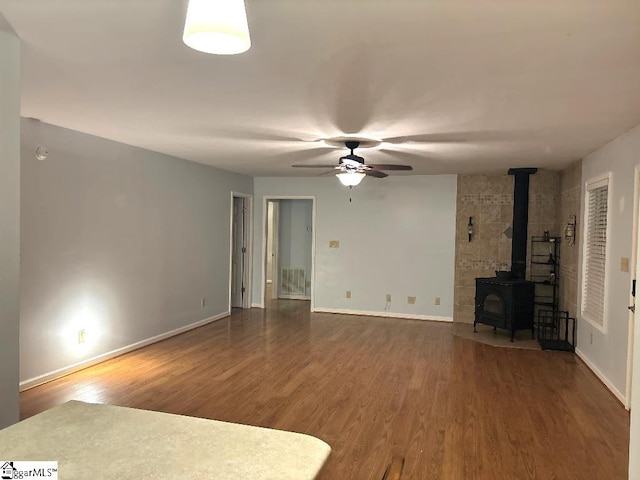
[383, 166]
[314, 166]
[375, 173]
[409, 157]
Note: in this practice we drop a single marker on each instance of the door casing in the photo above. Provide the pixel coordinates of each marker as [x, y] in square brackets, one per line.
[263, 279]
[248, 254]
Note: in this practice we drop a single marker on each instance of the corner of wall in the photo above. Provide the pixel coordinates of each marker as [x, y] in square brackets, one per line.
[9, 225]
[570, 196]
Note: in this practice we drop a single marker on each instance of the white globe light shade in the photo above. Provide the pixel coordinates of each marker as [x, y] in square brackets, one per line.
[217, 26]
[350, 179]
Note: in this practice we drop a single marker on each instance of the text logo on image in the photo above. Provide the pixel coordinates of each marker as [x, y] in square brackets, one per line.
[10, 470]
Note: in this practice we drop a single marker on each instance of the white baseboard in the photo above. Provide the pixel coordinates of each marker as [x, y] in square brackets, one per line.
[408, 316]
[257, 305]
[602, 378]
[61, 372]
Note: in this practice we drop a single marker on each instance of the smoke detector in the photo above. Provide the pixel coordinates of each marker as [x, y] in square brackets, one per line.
[41, 153]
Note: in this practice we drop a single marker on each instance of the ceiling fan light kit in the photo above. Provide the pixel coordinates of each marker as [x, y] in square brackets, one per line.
[218, 27]
[350, 179]
[352, 168]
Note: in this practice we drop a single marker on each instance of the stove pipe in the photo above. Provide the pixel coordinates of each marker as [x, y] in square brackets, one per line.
[520, 220]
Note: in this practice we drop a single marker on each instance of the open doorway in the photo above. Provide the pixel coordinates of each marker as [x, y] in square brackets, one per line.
[289, 249]
[240, 251]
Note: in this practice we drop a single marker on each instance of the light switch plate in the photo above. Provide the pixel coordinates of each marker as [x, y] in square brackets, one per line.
[624, 264]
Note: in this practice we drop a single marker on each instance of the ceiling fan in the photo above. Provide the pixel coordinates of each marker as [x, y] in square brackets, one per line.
[352, 169]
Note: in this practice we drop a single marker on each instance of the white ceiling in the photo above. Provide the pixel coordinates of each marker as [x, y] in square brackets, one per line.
[458, 86]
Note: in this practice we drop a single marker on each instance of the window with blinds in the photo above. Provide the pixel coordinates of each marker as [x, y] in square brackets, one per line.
[595, 251]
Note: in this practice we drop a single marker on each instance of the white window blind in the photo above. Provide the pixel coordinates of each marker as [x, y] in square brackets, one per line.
[595, 251]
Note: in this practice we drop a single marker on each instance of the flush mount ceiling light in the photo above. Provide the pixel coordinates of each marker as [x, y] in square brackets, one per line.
[217, 26]
[350, 179]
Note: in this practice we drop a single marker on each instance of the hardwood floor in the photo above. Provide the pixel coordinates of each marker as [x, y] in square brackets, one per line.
[373, 388]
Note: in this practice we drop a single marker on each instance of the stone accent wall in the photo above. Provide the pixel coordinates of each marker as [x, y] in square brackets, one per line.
[544, 205]
[489, 200]
[570, 196]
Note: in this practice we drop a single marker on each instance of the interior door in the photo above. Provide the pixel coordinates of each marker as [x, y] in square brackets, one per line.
[239, 252]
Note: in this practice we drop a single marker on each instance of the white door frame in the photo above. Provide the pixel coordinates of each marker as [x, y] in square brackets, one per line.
[263, 277]
[633, 385]
[247, 274]
[633, 270]
[275, 278]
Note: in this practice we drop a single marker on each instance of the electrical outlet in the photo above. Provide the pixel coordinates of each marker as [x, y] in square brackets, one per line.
[82, 334]
[203, 303]
[388, 297]
[334, 244]
[411, 300]
[348, 294]
[437, 302]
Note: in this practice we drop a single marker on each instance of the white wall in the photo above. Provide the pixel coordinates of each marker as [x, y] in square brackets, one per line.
[9, 222]
[607, 355]
[118, 240]
[397, 236]
[295, 236]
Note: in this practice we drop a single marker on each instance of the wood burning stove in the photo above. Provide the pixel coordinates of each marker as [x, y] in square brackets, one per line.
[507, 300]
[504, 303]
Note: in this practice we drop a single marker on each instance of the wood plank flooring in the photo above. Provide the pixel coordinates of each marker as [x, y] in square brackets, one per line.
[373, 388]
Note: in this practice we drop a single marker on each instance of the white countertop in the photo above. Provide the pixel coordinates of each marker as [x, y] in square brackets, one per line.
[105, 442]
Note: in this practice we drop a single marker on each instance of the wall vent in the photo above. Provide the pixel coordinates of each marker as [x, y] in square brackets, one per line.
[293, 281]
